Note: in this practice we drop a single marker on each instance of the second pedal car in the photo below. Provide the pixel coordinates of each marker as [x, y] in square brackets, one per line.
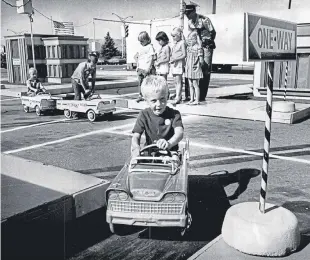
[93, 107]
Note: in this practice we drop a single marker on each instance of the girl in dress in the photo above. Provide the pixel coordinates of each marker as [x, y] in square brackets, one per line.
[163, 55]
[177, 61]
[145, 59]
[193, 68]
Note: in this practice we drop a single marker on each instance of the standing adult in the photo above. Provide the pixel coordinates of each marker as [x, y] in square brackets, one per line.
[80, 78]
[207, 34]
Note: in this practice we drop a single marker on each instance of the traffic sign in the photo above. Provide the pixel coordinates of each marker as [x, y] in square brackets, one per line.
[267, 38]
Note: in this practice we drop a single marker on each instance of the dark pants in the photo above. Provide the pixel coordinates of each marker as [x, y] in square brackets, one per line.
[205, 81]
[78, 89]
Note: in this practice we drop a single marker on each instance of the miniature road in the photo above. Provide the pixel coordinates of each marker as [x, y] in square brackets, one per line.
[216, 145]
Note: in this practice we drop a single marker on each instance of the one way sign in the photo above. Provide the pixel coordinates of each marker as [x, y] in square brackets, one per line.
[268, 38]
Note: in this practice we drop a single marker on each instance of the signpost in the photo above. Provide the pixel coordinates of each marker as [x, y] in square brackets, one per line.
[268, 39]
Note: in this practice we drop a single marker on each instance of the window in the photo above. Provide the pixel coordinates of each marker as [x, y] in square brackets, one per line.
[49, 70]
[15, 50]
[303, 80]
[55, 51]
[55, 71]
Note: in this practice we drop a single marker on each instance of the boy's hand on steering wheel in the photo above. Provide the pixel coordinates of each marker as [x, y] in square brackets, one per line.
[162, 144]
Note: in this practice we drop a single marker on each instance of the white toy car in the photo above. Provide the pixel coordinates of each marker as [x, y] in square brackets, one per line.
[92, 107]
[42, 102]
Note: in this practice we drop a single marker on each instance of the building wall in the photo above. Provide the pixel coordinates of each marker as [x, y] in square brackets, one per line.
[63, 56]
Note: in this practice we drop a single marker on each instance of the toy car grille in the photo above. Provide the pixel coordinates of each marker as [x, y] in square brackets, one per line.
[146, 208]
[47, 103]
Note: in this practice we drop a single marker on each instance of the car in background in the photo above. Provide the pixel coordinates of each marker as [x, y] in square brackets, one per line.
[116, 60]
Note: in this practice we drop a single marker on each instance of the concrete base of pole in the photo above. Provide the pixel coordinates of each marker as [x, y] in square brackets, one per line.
[284, 106]
[274, 233]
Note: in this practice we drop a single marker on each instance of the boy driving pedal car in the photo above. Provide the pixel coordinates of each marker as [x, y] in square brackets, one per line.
[161, 124]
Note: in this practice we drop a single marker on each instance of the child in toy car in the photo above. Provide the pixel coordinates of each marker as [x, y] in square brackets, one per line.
[33, 84]
[161, 124]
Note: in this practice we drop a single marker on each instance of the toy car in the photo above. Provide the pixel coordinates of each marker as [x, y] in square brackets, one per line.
[93, 107]
[42, 102]
[150, 191]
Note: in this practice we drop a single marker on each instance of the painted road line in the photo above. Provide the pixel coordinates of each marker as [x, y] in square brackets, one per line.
[9, 99]
[33, 125]
[222, 148]
[121, 110]
[67, 139]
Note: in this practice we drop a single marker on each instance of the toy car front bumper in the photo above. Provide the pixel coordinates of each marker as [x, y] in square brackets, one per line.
[105, 111]
[149, 220]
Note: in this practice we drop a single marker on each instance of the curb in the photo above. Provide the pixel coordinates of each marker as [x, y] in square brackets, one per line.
[46, 210]
[64, 90]
[87, 192]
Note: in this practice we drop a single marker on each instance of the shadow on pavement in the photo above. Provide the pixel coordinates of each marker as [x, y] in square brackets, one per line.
[301, 210]
[241, 176]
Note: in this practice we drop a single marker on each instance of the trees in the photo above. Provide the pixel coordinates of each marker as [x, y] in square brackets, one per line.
[108, 49]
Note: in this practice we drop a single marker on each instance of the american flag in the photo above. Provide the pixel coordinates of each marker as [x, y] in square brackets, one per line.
[63, 28]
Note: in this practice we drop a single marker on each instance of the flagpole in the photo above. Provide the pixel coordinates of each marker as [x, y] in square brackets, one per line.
[94, 29]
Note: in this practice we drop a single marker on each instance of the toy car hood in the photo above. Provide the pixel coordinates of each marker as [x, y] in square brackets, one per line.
[149, 182]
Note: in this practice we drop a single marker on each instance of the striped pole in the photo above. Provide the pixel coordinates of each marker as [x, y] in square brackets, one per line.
[263, 191]
[285, 80]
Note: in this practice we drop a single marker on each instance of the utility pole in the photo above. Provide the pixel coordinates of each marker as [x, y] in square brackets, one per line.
[123, 37]
[32, 44]
[213, 6]
[182, 9]
[289, 4]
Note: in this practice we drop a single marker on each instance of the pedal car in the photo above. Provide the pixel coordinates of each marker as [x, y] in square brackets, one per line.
[93, 107]
[150, 190]
[42, 102]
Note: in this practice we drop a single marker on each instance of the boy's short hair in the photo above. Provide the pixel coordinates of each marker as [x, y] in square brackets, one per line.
[32, 70]
[154, 84]
[144, 36]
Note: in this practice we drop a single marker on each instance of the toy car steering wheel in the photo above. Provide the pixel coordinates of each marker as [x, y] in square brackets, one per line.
[154, 147]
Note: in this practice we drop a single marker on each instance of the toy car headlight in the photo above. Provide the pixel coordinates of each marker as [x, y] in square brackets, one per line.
[100, 105]
[112, 195]
[168, 198]
[179, 197]
[123, 196]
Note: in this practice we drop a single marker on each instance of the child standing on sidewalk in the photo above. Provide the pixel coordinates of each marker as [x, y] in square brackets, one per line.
[177, 61]
[193, 68]
[163, 55]
[145, 59]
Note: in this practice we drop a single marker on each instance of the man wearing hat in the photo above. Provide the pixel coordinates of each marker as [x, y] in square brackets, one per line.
[80, 77]
[207, 34]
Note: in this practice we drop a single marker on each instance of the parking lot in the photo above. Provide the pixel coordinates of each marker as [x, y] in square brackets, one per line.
[225, 163]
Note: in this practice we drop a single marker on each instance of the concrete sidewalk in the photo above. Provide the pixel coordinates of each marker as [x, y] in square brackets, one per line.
[219, 250]
[219, 104]
[13, 90]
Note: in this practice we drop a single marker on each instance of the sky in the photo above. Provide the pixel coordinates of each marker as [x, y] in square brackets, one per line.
[81, 12]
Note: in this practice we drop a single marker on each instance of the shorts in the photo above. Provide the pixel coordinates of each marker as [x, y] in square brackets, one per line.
[177, 68]
[162, 69]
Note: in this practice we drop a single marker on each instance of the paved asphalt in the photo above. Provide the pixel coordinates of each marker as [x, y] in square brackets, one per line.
[211, 192]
